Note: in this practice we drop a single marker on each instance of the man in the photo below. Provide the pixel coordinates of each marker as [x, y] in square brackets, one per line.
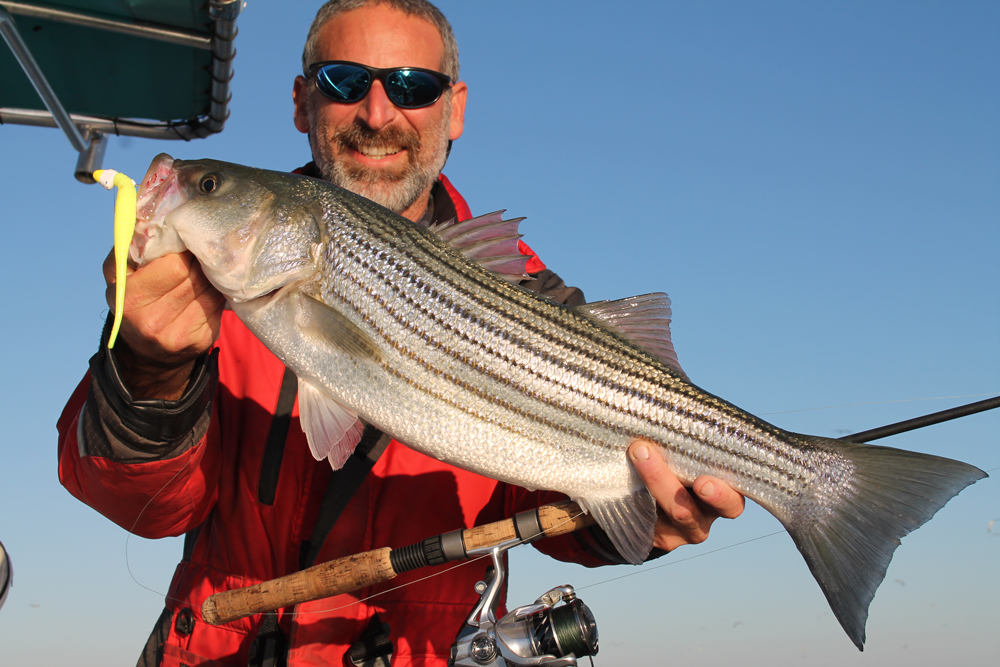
[166, 438]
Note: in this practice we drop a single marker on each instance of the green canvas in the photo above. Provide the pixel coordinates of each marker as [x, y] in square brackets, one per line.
[101, 73]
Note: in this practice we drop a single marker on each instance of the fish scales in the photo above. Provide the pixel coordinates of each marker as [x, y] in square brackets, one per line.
[538, 383]
[385, 320]
[543, 351]
[422, 268]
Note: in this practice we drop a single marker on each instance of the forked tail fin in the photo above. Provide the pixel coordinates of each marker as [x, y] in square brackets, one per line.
[849, 542]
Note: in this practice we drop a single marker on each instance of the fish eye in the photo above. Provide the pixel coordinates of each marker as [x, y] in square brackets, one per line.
[210, 183]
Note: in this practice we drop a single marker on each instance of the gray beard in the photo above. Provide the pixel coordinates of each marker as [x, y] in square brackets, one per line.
[396, 192]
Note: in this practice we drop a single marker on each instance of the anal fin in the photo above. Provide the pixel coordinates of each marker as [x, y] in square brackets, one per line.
[629, 521]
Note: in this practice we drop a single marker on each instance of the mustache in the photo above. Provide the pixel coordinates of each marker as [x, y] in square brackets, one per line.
[356, 134]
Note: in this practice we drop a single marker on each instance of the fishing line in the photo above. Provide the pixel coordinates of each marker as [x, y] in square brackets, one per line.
[128, 535]
[681, 560]
[395, 588]
[521, 542]
[902, 400]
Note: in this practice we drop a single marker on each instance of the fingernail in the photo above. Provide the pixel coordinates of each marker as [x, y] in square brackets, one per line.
[708, 490]
[639, 453]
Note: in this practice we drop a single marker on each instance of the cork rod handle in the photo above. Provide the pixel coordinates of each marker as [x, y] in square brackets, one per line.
[348, 574]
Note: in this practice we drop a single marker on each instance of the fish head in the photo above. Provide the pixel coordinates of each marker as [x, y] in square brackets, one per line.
[250, 230]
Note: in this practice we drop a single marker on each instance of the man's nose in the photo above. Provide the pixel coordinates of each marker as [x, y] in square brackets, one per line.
[376, 109]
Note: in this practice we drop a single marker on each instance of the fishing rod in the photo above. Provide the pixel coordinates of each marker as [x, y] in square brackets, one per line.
[348, 574]
[926, 420]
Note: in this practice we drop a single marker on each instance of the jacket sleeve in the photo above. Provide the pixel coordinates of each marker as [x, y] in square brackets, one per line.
[548, 283]
[149, 466]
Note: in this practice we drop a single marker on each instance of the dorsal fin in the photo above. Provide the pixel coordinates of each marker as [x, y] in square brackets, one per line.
[644, 320]
[489, 240]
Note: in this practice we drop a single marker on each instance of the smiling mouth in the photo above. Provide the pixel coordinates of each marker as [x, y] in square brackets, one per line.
[377, 152]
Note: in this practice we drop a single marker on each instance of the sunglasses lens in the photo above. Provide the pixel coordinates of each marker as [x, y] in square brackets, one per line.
[409, 89]
[343, 83]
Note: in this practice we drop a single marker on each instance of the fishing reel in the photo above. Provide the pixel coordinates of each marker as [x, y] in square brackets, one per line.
[553, 632]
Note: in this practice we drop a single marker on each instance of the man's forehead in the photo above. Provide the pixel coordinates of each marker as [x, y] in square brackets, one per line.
[380, 36]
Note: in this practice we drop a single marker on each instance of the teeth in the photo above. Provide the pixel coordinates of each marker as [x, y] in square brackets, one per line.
[378, 152]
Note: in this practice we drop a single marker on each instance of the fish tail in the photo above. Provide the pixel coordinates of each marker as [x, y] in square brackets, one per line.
[850, 527]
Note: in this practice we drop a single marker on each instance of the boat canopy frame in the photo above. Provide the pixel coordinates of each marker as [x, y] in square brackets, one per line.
[126, 87]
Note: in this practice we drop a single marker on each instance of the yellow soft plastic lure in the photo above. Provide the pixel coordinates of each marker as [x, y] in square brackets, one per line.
[125, 210]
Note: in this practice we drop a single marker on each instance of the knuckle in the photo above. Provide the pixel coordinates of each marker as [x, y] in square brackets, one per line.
[698, 536]
[683, 518]
[175, 269]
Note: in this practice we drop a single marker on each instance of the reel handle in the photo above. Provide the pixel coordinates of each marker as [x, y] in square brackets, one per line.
[350, 573]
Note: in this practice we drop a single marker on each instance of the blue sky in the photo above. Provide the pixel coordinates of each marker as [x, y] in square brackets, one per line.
[815, 184]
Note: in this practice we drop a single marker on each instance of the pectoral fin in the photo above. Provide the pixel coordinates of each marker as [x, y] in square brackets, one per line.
[322, 322]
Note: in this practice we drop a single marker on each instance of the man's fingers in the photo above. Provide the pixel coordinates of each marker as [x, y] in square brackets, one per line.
[681, 513]
[718, 495]
[108, 268]
[685, 517]
[172, 311]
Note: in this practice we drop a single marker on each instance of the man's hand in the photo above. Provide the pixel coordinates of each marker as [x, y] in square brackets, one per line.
[683, 519]
[171, 317]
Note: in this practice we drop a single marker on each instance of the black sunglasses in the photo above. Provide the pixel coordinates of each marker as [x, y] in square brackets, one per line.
[406, 87]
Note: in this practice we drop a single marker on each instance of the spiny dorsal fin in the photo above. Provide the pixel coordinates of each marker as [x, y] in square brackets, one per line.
[489, 240]
[644, 320]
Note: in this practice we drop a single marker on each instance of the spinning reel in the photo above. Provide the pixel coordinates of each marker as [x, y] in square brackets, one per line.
[553, 632]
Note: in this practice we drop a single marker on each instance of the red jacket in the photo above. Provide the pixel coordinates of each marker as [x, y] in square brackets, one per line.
[242, 541]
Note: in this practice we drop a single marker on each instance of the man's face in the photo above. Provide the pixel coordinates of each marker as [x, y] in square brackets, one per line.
[371, 147]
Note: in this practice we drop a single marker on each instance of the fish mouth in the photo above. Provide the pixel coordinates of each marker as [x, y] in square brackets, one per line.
[159, 194]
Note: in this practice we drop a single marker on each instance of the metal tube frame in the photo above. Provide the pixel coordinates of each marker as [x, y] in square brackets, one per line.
[23, 54]
[140, 29]
[96, 129]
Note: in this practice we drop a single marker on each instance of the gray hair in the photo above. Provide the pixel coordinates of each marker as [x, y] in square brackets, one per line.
[419, 8]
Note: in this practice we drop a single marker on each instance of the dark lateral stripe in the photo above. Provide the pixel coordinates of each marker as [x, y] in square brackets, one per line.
[651, 403]
[710, 403]
[473, 284]
[694, 422]
[448, 307]
[442, 346]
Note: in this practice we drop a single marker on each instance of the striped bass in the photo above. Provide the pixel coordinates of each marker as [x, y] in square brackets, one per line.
[426, 335]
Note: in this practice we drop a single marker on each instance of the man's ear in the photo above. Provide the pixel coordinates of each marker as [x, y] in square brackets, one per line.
[459, 93]
[300, 98]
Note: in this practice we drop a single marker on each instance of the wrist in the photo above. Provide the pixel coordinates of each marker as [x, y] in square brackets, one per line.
[154, 418]
[147, 379]
[144, 377]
